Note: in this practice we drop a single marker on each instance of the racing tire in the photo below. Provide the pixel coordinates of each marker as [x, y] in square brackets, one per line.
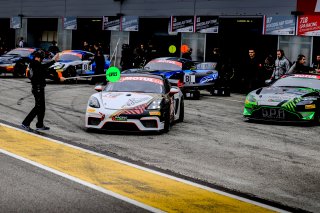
[196, 95]
[181, 114]
[70, 72]
[18, 70]
[167, 124]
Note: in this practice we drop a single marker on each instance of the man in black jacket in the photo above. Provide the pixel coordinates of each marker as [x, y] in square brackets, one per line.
[38, 81]
[100, 62]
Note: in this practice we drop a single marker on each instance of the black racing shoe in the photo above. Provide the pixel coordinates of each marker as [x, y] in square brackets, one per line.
[43, 128]
[25, 127]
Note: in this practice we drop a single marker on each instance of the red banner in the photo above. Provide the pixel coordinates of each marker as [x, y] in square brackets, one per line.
[308, 25]
[308, 7]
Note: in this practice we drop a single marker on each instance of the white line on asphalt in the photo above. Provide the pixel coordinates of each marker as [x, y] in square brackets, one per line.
[158, 173]
[74, 179]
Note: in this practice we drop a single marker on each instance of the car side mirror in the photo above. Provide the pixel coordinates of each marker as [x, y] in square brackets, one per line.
[173, 91]
[268, 82]
[98, 88]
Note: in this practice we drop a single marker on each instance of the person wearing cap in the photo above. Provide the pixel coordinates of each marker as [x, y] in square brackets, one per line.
[38, 82]
[54, 48]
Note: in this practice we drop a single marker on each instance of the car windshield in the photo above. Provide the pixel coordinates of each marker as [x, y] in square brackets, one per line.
[136, 84]
[21, 52]
[163, 65]
[206, 66]
[67, 57]
[298, 82]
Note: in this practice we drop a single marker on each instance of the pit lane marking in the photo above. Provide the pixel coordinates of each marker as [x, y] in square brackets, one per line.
[140, 186]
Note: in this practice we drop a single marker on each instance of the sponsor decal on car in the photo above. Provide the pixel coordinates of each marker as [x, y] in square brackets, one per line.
[119, 118]
[153, 80]
[134, 101]
[111, 95]
[306, 76]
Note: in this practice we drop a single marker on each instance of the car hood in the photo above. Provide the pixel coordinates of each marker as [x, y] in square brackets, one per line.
[127, 100]
[274, 96]
[8, 59]
[65, 64]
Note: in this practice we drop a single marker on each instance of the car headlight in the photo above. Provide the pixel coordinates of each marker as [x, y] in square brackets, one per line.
[59, 66]
[307, 100]
[156, 104]
[251, 98]
[93, 102]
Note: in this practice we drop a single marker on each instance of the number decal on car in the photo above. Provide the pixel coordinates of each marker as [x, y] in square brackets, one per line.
[189, 79]
[86, 67]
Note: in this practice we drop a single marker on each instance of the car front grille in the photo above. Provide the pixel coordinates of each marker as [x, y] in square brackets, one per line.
[149, 123]
[94, 121]
[120, 126]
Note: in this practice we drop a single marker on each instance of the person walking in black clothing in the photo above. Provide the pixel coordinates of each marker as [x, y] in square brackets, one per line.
[126, 57]
[187, 55]
[251, 72]
[54, 48]
[38, 81]
[100, 62]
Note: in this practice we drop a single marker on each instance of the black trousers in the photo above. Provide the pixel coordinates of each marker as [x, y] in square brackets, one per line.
[39, 108]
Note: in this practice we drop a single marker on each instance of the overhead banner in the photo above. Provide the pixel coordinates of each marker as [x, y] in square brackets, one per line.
[182, 24]
[308, 7]
[111, 23]
[207, 24]
[279, 25]
[308, 25]
[130, 23]
[70, 23]
[15, 22]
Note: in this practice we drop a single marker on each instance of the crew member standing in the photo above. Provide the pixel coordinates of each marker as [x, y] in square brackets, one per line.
[100, 62]
[282, 65]
[38, 81]
[251, 72]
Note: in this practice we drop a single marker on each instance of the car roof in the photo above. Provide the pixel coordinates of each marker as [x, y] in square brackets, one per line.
[82, 52]
[183, 60]
[143, 75]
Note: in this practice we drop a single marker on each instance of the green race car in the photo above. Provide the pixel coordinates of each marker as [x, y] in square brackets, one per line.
[292, 98]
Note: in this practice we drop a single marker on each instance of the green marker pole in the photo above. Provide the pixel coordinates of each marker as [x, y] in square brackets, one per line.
[113, 74]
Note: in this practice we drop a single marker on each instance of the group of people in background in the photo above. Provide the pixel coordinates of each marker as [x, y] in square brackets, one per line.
[255, 72]
[137, 57]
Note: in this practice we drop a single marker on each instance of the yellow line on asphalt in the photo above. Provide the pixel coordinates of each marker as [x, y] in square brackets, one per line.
[146, 187]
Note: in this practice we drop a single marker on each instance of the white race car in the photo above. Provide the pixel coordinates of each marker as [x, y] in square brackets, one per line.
[72, 63]
[137, 102]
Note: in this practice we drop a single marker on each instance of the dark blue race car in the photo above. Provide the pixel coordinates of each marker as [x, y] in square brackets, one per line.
[16, 61]
[187, 75]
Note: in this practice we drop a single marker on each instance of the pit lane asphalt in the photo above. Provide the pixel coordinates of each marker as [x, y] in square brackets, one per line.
[215, 145]
[26, 188]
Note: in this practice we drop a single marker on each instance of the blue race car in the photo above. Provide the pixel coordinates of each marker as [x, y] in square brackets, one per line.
[73, 63]
[187, 75]
[16, 61]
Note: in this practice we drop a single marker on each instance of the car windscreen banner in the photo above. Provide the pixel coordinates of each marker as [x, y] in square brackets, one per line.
[147, 79]
[111, 23]
[182, 24]
[70, 23]
[308, 25]
[207, 24]
[279, 25]
[130, 23]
